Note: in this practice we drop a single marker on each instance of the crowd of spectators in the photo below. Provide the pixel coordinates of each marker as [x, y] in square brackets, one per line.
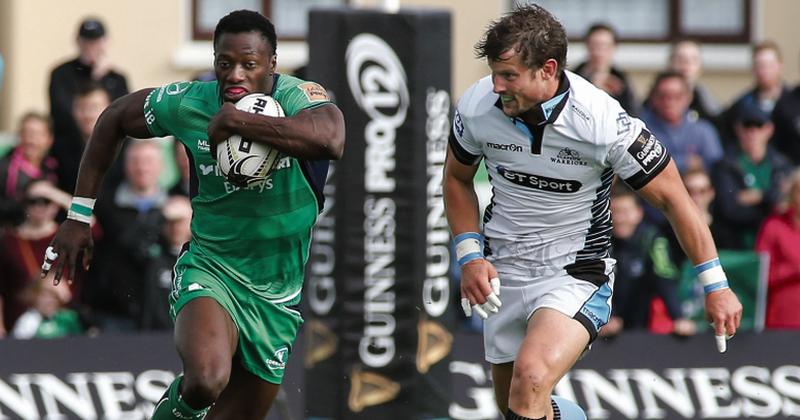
[739, 164]
[139, 224]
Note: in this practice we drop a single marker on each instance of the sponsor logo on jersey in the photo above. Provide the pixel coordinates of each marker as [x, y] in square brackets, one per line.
[505, 146]
[648, 151]
[581, 113]
[592, 317]
[313, 91]
[567, 156]
[278, 360]
[623, 123]
[539, 182]
[206, 169]
[203, 146]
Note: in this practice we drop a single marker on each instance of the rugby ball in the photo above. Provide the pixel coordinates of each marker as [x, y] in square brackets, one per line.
[243, 161]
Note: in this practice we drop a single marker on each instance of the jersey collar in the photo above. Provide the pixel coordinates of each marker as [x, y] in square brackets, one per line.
[548, 111]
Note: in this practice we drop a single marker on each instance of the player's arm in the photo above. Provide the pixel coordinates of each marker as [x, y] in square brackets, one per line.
[478, 289]
[312, 134]
[667, 193]
[124, 117]
[460, 200]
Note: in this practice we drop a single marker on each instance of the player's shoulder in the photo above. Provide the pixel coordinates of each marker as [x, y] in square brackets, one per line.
[287, 85]
[590, 111]
[478, 99]
[195, 90]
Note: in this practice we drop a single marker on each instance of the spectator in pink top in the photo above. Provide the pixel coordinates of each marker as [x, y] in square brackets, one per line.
[779, 237]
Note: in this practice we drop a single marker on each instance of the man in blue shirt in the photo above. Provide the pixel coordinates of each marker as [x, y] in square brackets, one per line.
[691, 141]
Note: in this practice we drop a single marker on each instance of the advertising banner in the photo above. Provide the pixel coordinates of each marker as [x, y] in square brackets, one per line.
[634, 376]
[390, 75]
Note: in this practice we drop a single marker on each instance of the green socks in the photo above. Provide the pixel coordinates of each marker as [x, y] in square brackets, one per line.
[171, 406]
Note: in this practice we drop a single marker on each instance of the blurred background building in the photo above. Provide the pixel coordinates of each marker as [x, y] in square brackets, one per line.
[156, 41]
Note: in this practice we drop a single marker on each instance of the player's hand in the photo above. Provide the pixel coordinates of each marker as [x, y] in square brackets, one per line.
[724, 311]
[72, 239]
[221, 125]
[480, 288]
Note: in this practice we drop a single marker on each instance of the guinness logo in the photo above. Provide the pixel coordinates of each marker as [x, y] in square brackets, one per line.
[321, 343]
[368, 389]
[433, 345]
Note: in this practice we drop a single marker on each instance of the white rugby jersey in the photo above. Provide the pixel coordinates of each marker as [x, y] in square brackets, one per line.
[551, 181]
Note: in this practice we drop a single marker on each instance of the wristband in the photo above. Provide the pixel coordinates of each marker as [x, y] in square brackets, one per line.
[711, 276]
[81, 209]
[468, 247]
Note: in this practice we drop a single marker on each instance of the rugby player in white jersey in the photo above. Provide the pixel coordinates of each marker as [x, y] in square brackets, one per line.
[540, 273]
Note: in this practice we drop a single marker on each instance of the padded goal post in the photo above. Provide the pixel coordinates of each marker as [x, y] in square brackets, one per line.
[379, 290]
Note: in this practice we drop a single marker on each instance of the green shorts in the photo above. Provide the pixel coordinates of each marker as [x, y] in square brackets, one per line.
[267, 328]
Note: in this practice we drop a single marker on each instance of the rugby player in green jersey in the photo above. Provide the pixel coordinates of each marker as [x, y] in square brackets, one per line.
[238, 281]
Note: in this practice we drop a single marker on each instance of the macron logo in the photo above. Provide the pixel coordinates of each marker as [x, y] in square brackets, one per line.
[506, 147]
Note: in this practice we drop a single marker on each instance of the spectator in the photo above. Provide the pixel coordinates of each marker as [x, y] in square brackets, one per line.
[779, 237]
[48, 316]
[692, 142]
[90, 101]
[92, 64]
[28, 161]
[685, 59]
[786, 117]
[601, 45]
[130, 215]
[21, 248]
[769, 88]
[750, 178]
[701, 190]
[644, 268]
[175, 234]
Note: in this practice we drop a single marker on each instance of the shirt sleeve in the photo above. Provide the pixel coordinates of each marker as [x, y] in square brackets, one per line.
[635, 154]
[161, 107]
[466, 148]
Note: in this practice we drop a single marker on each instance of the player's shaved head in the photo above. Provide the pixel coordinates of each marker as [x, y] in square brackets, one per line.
[246, 21]
[532, 31]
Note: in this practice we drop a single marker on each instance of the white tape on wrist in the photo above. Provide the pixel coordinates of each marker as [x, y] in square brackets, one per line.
[468, 247]
[81, 209]
[711, 275]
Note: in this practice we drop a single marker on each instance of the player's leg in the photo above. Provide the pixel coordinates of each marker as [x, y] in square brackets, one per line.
[501, 381]
[553, 343]
[206, 339]
[246, 397]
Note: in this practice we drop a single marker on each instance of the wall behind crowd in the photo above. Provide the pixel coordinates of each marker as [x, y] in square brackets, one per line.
[142, 35]
[145, 35]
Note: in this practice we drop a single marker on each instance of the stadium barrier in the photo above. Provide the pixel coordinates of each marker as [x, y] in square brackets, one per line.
[634, 376]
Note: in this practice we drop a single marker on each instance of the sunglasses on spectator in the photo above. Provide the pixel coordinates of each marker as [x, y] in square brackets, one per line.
[37, 200]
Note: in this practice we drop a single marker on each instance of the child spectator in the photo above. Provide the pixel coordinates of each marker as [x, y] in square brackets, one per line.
[48, 316]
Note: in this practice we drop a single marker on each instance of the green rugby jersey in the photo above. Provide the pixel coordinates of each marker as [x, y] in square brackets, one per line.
[259, 235]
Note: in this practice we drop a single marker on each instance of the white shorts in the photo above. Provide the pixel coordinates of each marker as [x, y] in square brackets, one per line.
[581, 300]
